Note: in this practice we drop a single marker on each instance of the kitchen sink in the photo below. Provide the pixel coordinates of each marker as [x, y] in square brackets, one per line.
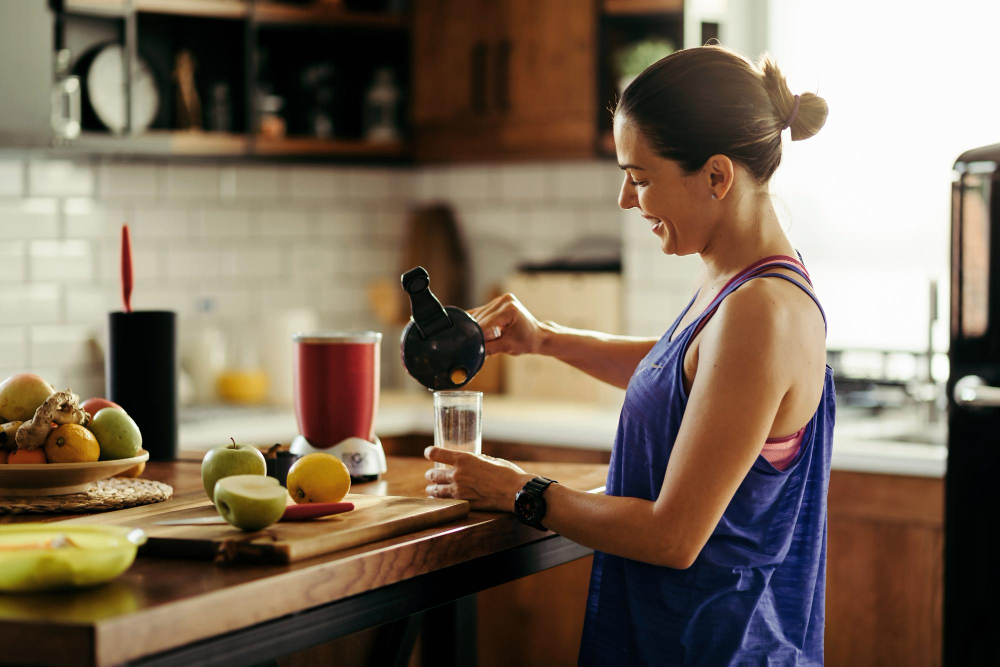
[902, 426]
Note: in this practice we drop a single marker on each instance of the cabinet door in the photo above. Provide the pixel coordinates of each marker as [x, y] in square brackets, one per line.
[449, 60]
[548, 99]
[26, 35]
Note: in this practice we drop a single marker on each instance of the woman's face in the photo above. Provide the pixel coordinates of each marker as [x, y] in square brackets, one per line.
[675, 204]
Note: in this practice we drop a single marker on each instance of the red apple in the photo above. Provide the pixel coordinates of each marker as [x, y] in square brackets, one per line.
[93, 405]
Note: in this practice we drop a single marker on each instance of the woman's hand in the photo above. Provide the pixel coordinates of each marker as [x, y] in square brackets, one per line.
[509, 327]
[487, 483]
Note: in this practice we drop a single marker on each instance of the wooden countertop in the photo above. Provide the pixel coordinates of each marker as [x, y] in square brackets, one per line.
[161, 604]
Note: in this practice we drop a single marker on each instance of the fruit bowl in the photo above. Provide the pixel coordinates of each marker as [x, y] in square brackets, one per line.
[58, 479]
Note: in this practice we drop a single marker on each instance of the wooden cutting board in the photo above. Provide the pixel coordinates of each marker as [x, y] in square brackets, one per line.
[373, 518]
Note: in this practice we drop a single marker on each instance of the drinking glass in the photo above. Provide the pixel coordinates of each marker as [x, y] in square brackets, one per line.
[458, 421]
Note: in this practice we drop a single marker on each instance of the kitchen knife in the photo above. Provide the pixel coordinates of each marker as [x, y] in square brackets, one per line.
[292, 513]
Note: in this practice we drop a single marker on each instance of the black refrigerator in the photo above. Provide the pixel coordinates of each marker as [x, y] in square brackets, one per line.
[972, 483]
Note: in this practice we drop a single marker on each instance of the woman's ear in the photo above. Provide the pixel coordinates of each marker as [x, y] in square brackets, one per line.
[720, 170]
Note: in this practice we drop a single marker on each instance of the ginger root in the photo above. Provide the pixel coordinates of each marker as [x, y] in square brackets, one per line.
[62, 407]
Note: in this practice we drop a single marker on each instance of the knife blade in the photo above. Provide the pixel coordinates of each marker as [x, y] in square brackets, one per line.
[292, 513]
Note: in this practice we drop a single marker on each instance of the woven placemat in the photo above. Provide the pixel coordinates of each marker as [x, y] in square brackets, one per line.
[106, 494]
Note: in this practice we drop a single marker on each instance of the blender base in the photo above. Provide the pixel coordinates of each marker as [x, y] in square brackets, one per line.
[365, 460]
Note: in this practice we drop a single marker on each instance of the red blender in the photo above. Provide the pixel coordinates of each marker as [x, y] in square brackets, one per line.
[336, 381]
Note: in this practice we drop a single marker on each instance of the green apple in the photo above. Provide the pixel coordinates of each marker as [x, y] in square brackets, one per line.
[116, 433]
[250, 502]
[228, 460]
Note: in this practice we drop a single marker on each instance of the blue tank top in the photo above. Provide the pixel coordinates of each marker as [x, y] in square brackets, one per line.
[755, 594]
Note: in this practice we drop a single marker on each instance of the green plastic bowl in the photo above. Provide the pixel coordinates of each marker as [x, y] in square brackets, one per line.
[101, 554]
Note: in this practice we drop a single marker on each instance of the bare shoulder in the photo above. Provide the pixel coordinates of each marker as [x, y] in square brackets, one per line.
[771, 319]
[774, 306]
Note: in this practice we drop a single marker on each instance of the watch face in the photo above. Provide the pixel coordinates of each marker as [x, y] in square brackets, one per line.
[525, 506]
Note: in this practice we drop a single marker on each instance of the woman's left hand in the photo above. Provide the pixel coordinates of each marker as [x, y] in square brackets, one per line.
[487, 483]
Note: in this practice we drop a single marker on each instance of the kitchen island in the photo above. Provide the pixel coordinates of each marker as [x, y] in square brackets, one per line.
[182, 612]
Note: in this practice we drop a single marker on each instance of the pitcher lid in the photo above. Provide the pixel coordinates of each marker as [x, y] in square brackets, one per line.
[337, 337]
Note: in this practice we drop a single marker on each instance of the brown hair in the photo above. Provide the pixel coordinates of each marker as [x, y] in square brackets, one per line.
[710, 100]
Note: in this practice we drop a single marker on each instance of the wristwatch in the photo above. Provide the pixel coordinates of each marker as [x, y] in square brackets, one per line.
[529, 505]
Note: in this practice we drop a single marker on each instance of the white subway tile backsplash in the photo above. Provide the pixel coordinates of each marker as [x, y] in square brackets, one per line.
[223, 222]
[190, 181]
[85, 381]
[60, 177]
[343, 224]
[12, 262]
[160, 222]
[314, 262]
[64, 261]
[307, 182]
[129, 180]
[191, 263]
[366, 263]
[13, 347]
[287, 222]
[32, 304]
[89, 219]
[29, 219]
[372, 183]
[256, 238]
[11, 178]
[63, 345]
[526, 182]
[432, 184]
[181, 300]
[474, 183]
[85, 304]
[252, 263]
[583, 181]
[602, 221]
[241, 182]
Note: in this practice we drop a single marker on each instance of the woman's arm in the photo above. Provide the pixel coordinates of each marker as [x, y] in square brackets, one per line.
[511, 329]
[742, 377]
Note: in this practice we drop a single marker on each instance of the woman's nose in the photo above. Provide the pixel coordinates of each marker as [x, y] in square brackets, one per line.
[627, 198]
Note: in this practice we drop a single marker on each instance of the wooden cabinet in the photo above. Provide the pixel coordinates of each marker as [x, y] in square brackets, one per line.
[504, 79]
[885, 570]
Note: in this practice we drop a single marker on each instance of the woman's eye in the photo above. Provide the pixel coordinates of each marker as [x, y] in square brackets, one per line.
[637, 184]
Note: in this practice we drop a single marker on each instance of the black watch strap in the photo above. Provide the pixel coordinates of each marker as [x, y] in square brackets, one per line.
[534, 489]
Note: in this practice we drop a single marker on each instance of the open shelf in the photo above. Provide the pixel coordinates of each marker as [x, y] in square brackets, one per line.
[263, 13]
[324, 14]
[309, 146]
[221, 9]
[630, 7]
[165, 142]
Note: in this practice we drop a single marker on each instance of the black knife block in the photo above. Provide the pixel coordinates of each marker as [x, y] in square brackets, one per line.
[141, 375]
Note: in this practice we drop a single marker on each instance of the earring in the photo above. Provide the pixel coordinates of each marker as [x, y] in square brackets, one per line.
[714, 196]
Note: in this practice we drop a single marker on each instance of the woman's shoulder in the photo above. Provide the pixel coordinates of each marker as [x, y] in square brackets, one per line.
[770, 311]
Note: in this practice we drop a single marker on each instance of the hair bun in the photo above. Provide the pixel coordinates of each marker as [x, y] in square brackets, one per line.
[812, 109]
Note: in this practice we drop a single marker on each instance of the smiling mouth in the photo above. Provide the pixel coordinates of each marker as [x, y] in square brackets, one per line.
[653, 221]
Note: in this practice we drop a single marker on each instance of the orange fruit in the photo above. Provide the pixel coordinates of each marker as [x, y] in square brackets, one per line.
[71, 443]
[27, 456]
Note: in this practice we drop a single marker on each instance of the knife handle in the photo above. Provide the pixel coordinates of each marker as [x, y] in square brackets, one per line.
[314, 510]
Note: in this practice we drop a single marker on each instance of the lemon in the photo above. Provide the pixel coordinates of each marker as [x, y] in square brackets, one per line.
[71, 443]
[318, 478]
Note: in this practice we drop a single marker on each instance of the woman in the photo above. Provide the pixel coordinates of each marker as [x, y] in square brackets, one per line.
[710, 543]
